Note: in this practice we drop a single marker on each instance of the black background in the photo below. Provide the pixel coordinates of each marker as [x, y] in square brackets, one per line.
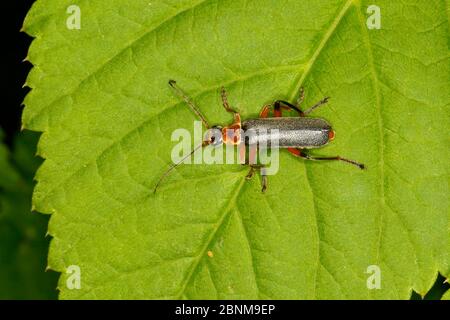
[14, 49]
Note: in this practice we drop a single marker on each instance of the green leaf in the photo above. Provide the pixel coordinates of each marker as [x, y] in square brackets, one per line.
[446, 295]
[23, 248]
[435, 293]
[100, 97]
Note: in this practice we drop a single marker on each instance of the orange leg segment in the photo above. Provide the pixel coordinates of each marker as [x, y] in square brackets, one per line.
[278, 106]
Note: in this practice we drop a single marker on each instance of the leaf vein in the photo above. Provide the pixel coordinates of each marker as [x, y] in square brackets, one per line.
[213, 235]
[103, 65]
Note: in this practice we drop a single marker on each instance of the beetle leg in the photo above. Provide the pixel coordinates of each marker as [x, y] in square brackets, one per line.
[265, 111]
[242, 153]
[301, 97]
[225, 103]
[278, 106]
[318, 104]
[300, 153]
[263, 181]
[252, 149]
[251, 173]
[276, 110]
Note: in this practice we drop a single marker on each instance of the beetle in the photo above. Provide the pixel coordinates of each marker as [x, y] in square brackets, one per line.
[296, 134]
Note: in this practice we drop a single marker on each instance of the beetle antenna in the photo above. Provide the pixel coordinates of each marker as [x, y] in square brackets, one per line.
[173, 166]
[189, 102]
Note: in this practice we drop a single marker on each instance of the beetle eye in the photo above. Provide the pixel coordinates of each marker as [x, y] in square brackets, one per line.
[214, 136]
[216, 141]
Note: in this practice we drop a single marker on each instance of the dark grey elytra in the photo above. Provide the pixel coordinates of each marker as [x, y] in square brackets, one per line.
[291, 132]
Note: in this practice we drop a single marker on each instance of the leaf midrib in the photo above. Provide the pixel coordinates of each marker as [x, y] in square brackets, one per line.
[227, 211]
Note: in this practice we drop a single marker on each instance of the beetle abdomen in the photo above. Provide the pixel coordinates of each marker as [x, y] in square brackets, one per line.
[292, 132]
